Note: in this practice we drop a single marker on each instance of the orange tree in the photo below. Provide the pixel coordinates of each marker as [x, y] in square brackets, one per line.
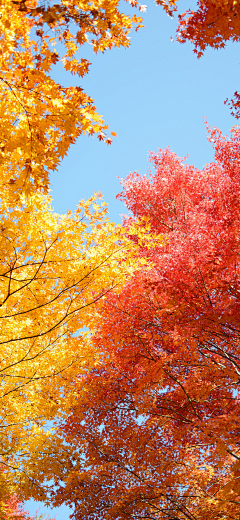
[156, 427]
[39, 117]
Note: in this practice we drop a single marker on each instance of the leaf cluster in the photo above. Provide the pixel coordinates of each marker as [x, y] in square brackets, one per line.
[40, 118]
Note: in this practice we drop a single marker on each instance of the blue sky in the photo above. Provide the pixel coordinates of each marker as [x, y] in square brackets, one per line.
[153, 95]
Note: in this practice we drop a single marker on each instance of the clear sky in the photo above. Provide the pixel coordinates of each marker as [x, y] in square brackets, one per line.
[153, 95]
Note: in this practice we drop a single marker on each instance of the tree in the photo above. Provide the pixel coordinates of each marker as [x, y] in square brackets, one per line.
[209, 24]
[159, 437]
[212, 24]
[53, 267]
[39, 117]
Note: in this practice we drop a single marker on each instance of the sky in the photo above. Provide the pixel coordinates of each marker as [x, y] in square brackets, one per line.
[153, 95]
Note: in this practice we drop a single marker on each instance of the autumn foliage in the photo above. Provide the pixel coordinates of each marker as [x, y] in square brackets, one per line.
[213, 24]
[210, 24]
[119, 344]
[156, 428]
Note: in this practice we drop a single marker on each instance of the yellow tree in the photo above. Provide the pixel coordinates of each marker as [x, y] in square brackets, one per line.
[53, 268]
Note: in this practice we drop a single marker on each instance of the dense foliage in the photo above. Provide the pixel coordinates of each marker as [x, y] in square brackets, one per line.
[119, 345]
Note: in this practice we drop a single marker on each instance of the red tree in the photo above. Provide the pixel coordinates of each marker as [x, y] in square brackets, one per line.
[157, 426]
